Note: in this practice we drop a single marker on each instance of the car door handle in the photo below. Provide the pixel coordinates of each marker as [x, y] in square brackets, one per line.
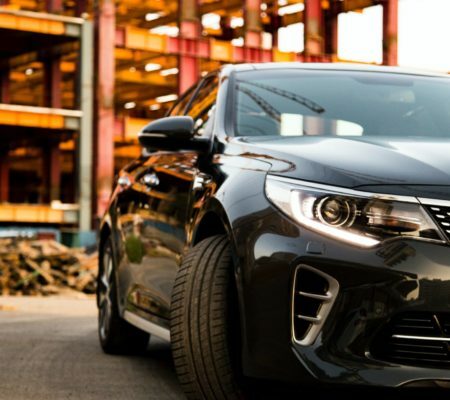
[150, 180]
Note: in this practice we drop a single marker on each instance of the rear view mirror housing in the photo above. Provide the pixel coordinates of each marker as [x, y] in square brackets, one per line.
[171, 133]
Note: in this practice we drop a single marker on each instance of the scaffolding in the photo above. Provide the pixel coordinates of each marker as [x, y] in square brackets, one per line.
[61, 146]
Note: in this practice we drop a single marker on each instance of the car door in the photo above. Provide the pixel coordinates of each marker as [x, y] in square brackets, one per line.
[153, 222]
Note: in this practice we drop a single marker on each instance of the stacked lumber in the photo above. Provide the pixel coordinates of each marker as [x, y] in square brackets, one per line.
[44, 267]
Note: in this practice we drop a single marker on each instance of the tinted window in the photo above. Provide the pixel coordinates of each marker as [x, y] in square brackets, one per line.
[203, 104]
[299, 102]
[180, 106]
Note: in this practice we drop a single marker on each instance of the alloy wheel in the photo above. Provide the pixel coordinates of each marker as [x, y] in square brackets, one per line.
[104, 293]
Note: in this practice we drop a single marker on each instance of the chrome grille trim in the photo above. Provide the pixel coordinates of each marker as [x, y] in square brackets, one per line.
[431, 338]
[315, 296]
[441, 217]
[434, 202]
[316, 321]
[418, 338]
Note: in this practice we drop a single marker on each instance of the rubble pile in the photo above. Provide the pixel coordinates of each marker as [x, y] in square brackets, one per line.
[44, 267]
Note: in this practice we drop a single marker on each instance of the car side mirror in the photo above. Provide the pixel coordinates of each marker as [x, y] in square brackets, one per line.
[171, 133]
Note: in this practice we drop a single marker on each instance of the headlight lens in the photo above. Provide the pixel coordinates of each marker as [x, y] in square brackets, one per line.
[354, 217]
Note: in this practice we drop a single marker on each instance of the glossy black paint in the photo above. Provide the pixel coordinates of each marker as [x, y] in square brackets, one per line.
[153, 227]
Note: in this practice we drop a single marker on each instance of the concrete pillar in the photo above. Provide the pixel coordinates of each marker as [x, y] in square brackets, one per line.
[104, 113]
[390, 32]
[189, 29]
[4, 178]
[314, 30]
[253, 26]
[86, 142]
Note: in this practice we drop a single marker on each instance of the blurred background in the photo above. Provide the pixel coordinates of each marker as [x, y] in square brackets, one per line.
[79, 78]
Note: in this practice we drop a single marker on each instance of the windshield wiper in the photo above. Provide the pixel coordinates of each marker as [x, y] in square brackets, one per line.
[265, 106]
[311, 105]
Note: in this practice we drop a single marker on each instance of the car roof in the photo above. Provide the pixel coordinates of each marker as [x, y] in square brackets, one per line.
[230, 68]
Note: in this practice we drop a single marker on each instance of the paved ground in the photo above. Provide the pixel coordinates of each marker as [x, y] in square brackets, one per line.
[49, 350]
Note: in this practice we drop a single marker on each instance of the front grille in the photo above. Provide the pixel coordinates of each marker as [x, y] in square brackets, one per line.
[441, 216]
[417, 339]
[313, 295]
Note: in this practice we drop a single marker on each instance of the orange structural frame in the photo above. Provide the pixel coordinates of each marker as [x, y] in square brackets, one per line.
[29, 119]
[30, 24]
[212, 49]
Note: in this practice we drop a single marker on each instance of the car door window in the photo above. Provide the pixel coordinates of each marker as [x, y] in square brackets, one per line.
[202, 106]
[179, 107]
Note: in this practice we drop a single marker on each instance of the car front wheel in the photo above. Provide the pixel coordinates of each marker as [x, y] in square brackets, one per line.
[205, 323]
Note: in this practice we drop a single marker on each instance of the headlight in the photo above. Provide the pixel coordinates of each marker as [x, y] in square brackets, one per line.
[355, 217]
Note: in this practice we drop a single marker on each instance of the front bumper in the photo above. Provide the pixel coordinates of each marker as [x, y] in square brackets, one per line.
[375, 285]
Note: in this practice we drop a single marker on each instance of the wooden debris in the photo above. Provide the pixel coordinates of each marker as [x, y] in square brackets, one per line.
[44, 267]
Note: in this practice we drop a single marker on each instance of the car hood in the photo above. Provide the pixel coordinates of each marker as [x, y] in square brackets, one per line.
[354, 162]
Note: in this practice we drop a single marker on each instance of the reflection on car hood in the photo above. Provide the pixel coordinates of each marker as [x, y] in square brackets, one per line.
[352, 162]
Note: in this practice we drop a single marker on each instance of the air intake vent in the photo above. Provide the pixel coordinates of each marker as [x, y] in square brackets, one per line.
[441, 216]
[417, 339]
[313, 295]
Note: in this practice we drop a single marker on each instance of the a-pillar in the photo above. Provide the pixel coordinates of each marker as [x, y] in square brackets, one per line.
[314, 30]
[189, 31]
[253, 26]
[4, 178]
[104, 112]
[390, 32]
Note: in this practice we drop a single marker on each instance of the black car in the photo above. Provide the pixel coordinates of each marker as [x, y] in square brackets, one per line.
[287, 222]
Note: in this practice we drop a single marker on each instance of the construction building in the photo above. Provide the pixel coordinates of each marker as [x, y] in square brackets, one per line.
[78, 79]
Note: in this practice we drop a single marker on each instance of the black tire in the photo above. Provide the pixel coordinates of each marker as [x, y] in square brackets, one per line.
[116, 335]
[204, 339]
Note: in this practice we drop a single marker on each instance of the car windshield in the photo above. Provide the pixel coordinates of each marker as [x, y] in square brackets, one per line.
[290, 102]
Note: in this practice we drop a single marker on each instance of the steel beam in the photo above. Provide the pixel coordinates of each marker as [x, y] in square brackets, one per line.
[390, 32]
[4, 86]
[86, 143]
[104, 113]
[314, 30]
[189, 33]
[54, 6]
[354, 5]
[51, 172]
[331, 29]
[253, 25]
[204, 8]
[51, 154]
[4, 178]
[52, 83]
